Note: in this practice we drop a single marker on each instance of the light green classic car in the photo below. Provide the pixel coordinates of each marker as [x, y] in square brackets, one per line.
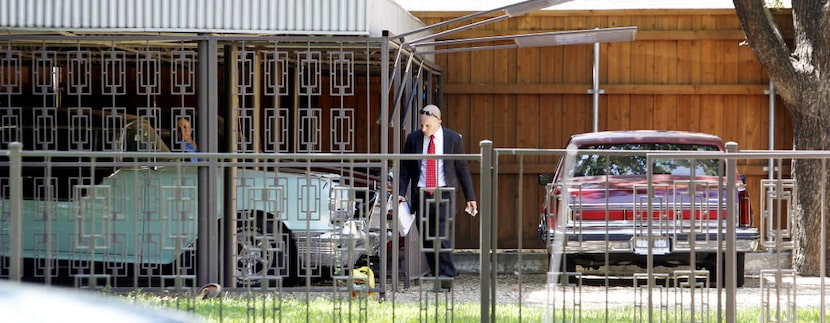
[141, 219]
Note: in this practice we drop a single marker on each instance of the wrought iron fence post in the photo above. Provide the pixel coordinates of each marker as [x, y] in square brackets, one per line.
[208, 256]
[15, 212]
[730, 265]
[485, 203]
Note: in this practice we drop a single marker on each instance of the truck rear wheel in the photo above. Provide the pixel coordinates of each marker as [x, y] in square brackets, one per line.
[716, 278]
[739, 264]
[566, 267]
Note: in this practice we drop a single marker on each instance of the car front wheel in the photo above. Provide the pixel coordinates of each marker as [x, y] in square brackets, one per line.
[266, 254]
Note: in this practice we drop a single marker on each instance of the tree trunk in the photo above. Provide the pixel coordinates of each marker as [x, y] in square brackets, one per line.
[811, 175]
[799, 76]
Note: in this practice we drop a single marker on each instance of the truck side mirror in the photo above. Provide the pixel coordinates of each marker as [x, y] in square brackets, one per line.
[545, 179]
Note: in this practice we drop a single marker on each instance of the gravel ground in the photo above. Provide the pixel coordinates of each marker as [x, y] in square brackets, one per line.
[532, 290]
[467, 288]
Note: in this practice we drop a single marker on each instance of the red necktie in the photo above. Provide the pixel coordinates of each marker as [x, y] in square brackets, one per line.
[432, 166]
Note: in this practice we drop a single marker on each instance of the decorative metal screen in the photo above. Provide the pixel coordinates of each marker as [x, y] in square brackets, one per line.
[128, 95]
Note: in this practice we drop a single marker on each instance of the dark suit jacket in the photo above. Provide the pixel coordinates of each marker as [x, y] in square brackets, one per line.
[455, 171]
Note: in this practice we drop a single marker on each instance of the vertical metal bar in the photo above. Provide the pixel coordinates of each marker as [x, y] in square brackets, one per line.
[210, 175]
[771, 146]
[823, 241]
[486, 216]
[384, 149]
[229, 173]
[295, 109]
[16, 213]
[204, 100]
[730, 265]
[771, 129]
[650, 238]
[256, 101]
[595, 92]
[207, 248]
[519, 224]
[492, 199]
[396, 122]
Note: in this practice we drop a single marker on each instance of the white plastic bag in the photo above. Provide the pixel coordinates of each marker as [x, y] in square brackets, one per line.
[405, 216]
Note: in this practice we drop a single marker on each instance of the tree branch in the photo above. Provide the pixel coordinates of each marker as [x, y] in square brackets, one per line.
[766, 42]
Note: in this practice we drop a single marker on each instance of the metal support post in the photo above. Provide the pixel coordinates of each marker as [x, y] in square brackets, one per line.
[595, 91]
[771, 129]
[731, 215]
[16, 213]
[207, 246]
[487, 312]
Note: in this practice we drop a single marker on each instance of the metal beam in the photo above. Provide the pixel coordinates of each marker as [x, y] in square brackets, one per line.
[554, 38]
[512, 10]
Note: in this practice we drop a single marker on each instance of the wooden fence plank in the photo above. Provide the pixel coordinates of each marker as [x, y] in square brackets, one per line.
[618, 56]
[665, 112]
[710, 106]
[642, 112]
[619, 112]
[728, 118]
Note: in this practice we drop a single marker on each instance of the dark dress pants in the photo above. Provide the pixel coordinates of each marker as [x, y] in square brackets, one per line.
[436, 222]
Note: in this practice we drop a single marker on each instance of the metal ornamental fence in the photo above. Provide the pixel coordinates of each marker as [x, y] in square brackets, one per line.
[745, 281]
[305, 226]
[281, 221]
[282, 206]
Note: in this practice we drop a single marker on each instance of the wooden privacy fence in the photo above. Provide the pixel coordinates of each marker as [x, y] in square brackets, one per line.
[686, 70]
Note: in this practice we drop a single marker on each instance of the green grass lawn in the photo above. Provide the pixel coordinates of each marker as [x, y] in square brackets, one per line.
[321, 308]
[324, 309]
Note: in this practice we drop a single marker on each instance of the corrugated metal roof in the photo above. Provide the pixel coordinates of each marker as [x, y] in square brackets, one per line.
[275, 17]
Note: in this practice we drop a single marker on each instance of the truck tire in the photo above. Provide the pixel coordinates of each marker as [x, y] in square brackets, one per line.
[739, 263]
[740, 276]
[567, 264]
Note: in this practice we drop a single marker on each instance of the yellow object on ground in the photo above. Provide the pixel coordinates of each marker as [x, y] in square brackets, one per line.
[366, 277]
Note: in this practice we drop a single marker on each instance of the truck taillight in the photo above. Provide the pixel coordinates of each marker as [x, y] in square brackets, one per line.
[744, 209]
[552, 205]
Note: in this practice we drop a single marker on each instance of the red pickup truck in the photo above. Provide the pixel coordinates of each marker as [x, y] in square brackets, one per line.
[598, 202]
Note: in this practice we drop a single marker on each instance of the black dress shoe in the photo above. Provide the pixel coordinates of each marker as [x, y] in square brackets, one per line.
[446, 285]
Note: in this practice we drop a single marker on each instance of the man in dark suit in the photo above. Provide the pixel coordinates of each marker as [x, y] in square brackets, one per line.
[417, 175]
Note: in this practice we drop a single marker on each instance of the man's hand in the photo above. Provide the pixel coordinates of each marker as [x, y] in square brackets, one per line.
[472, 208]
[401, 198]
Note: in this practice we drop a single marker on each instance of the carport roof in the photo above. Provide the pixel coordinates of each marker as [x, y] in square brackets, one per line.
[264, 17]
